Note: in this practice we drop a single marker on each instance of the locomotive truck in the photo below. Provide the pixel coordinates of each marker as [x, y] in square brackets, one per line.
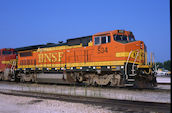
[111, 58]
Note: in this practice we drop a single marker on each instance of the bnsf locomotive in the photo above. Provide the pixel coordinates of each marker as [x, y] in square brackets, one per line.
[112, 58]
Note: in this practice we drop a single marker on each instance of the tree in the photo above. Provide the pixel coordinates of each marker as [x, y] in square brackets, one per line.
[167, 65]
[159, 64]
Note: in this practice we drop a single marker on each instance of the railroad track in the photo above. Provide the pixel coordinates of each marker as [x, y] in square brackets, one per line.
[130, 94]
[110, 103]
[163, 86]
[82, 85]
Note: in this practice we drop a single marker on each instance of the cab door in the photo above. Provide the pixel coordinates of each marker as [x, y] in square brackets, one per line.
[102, 47]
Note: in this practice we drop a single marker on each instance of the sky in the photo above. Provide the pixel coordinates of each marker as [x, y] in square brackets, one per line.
[34, 22]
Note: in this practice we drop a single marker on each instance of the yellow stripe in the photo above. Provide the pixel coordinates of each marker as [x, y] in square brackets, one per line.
[98, 67]
[133, 54]
[8, 62]
[55, 48]
[77, 67]
[68, 65]
[26, 66]
[5, 62]
[144, 66]
[58, 48]
[58, 68]
[113, 67]
[122, 54]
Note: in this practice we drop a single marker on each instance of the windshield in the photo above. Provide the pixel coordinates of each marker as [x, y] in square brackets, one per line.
[123, 38]
[120, 37]
[131, 38]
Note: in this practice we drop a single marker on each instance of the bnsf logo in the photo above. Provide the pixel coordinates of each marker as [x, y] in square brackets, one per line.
[50, 57]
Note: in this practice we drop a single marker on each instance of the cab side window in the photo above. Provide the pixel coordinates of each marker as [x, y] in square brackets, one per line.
[97, 40]
[101, 40]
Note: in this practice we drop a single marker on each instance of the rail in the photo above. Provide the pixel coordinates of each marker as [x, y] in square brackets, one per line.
[153, 95]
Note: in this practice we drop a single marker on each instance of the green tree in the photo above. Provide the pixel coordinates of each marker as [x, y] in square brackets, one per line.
[167, 65]
[159, 64]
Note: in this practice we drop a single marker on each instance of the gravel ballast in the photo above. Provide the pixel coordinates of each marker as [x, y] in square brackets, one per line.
[17, 104]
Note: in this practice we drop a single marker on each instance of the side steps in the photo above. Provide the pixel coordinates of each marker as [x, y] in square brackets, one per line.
[130, 78]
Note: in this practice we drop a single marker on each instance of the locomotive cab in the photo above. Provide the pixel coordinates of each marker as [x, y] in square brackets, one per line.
[118, 44]
[120, 36]
[5, 56]
[7, 63]
[123, 37]
[120, 49]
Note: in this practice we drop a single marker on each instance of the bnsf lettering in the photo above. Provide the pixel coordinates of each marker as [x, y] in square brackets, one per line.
[50, 57]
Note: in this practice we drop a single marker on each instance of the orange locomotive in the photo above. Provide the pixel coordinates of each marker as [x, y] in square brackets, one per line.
[112, 58]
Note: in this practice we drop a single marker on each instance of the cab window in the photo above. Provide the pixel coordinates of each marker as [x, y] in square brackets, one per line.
[120, 37]
[131, 38]
[101, 40]
[97, 40]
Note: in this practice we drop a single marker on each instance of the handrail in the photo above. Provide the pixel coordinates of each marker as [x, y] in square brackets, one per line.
[127, 64]
[13, 67]
[134, 62]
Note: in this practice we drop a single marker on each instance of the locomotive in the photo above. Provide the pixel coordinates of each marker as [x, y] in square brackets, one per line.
[111, 58]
